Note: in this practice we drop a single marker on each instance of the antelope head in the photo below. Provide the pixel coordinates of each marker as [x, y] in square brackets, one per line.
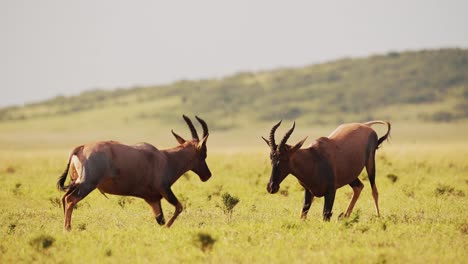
[198, 145]
[280, 156]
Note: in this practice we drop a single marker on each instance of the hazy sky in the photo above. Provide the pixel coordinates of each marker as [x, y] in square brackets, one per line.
[63, 47]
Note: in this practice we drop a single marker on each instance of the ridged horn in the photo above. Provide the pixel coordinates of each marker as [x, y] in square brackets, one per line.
[286, 136]
[204, 126]
[192, 128]
[273, 145]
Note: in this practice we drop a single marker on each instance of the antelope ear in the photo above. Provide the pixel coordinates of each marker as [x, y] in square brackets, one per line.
[178, 138]
[298, 145]
[266, 141]
[202, 142]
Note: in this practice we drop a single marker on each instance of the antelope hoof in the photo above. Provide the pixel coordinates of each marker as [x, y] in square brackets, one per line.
[327, 216]
[341, 216]
[160, 219]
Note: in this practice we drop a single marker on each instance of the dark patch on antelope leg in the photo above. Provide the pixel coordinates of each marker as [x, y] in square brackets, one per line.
[356, 183]
[307, 203]
[328, 206]
[172, 199]
[357, 188]
[370, 167]
[371, 145]
[155, 203]
[71, 188]
[80, 192]
[160, 219]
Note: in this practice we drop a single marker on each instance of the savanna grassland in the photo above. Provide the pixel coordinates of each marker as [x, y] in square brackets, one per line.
[422, 173]
[422, 186]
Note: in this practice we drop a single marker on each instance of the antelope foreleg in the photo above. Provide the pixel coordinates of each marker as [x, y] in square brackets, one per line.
[178, 210]
[328, 206]
[172, 199]
[308, 197]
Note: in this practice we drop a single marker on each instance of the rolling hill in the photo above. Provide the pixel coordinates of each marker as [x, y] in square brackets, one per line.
[427, 85]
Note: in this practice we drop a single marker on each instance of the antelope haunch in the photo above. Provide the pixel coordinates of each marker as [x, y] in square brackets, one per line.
[328, 164]
[141, 170]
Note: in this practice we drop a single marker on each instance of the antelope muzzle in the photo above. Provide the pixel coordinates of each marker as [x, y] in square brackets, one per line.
[272, 188]
[273, 185]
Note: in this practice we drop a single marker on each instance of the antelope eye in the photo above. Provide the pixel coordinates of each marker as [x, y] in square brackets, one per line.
[274, 159]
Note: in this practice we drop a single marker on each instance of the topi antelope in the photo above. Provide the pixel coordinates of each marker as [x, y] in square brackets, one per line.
[141, 170]
[328, 164]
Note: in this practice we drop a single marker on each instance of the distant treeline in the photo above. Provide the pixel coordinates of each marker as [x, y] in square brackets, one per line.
[432, 84]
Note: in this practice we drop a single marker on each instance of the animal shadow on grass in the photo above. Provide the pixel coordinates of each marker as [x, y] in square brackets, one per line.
[442, 190]
[204, 241]
[42, 242]
[17, 190]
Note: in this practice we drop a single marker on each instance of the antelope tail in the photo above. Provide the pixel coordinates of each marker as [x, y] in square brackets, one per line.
[61, 180]
[384, 137]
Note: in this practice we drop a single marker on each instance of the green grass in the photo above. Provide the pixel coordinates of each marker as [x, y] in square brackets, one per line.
[423, 199]
[421, 172]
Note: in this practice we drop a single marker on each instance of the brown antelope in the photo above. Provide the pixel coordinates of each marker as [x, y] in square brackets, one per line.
[328, 164]
[141, 170]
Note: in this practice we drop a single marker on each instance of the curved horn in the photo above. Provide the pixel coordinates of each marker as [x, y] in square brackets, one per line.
[178, 138]
[192, 128]
[204, 126]
[273, 145]
[287, 135]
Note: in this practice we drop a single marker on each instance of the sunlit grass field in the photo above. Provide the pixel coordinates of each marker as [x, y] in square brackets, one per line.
[422, 181]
